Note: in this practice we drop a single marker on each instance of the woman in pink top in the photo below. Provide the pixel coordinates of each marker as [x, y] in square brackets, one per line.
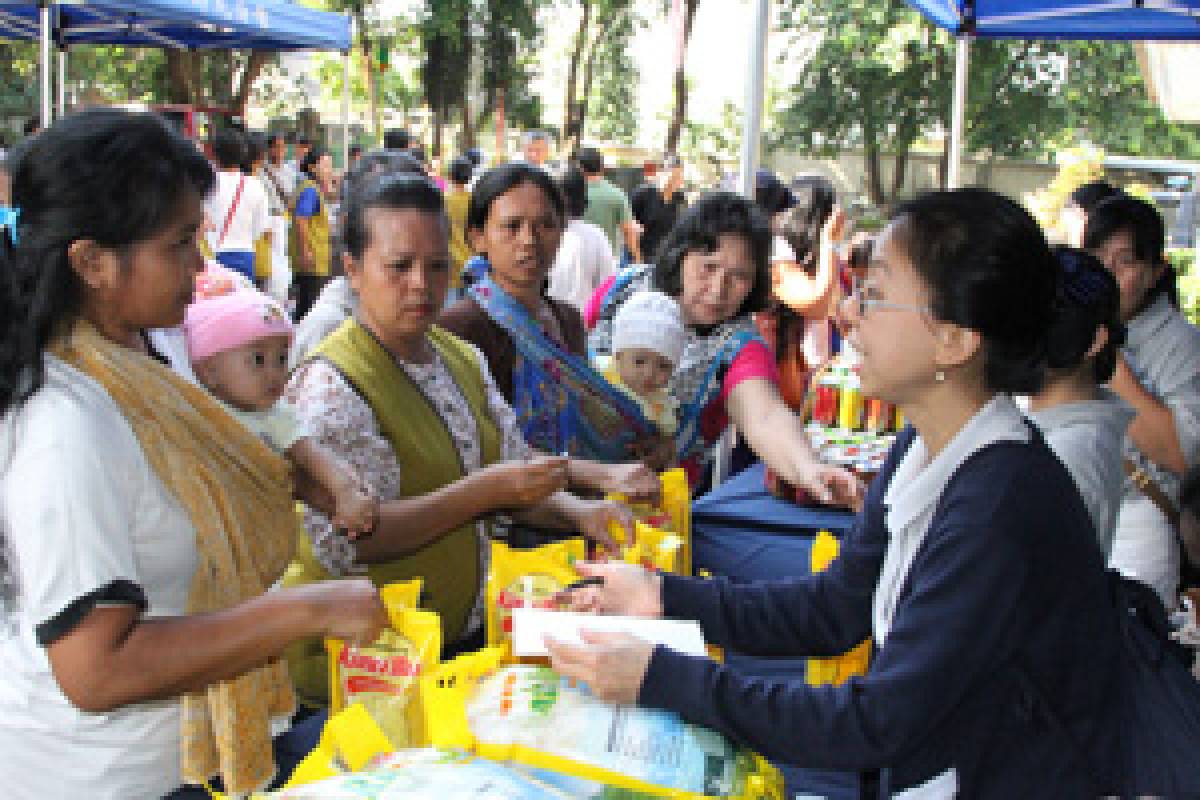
[715, 263]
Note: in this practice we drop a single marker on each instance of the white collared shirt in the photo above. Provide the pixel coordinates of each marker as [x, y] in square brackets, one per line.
[911, 500]
[917, 485]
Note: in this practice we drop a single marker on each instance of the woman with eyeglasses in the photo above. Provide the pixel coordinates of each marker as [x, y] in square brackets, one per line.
[973, 565]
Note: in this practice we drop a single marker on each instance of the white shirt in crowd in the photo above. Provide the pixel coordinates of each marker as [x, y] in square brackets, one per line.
[1163, 351]
[250, 219]
[1087, 438]
[584, 261]
[84, 521]
[911, 500]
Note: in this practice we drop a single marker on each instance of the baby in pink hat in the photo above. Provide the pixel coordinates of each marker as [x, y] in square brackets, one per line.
[238, 344]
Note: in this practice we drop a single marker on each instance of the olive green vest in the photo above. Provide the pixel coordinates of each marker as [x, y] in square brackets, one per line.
[449, 567]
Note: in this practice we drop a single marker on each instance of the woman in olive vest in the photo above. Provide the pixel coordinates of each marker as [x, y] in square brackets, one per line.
[415, 410]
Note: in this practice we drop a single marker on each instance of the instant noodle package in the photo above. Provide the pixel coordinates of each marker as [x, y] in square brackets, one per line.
[382, 678]
[527, 579]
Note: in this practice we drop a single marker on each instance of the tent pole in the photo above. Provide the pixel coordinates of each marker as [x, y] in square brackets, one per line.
[62, 82]
[46, 66]
[755, 85]
[346, 110]
[962, 53]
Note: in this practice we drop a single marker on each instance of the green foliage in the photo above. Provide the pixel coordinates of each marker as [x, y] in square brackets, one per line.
[612, 102]
[882, 80]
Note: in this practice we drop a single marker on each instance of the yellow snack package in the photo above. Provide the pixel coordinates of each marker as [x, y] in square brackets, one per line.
[383, 678]
[662, 551]
[673, 514]
[527, 579]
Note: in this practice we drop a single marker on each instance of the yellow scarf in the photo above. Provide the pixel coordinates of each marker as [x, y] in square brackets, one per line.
[237, 493]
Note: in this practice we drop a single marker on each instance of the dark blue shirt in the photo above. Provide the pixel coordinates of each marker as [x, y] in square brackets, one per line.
[1007, 591]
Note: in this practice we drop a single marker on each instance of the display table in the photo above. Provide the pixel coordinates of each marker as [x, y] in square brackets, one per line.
[739, 530]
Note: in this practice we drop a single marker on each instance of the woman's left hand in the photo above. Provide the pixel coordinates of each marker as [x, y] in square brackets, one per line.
[656, 452]
[634, 480]
[613, 665]
[592, 519]
[832, 485]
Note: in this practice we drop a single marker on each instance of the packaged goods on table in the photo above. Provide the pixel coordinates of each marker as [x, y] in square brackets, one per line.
[426, 773]
[671, 515]
[383, 677]
[527, 579]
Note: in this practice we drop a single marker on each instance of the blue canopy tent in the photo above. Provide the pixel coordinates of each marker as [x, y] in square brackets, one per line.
[1049, 19]
[181, 24]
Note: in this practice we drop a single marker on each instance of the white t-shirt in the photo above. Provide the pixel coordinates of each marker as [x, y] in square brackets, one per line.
[250, 218]
[82, 514]
[584, 261]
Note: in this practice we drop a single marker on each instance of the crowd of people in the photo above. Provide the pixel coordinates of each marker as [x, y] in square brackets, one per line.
[192, 339]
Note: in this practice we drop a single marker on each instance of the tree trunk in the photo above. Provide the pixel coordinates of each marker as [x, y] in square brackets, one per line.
[899, 170]
[569, 109]
[575, 135]
[874, 179]
[180, 88]
[679, 115]
[364, 44]
[439, 120]
[254, 65]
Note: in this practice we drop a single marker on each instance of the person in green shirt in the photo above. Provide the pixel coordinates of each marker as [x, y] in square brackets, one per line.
[608, 207]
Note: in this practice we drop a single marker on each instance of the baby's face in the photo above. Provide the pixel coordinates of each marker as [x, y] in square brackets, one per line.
[644, 371]
[251, 377]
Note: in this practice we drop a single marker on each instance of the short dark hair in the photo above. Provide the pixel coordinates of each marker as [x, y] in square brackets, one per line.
[1124, 212]
[390, 192]
[303, 141]
[32, 125]
[315, 154]
[461, 170]
[501, 180]
[573, 186]
[700, 229]
[590, 160]
[1092, 194]
[228, 148]
[1087, 299]
[274, 137]
[373, 164]
[255, 146]
[814, 198]
[397, 139]
[989, 268]
[355, 150]
[117, 177]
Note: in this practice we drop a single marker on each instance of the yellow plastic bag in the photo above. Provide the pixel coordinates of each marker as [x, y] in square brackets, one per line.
[836, 670]
[383, 678]
[527, 579]
[673, 514]
[655, 549]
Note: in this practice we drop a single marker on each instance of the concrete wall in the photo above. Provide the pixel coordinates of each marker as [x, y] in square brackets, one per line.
[849, 174]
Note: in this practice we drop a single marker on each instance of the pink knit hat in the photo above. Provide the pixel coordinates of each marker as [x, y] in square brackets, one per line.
[216, 324]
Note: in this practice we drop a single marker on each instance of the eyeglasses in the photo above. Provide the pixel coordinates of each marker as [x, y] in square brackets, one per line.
[865, 298]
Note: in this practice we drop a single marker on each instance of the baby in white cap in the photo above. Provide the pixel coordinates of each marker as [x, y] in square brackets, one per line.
[647, 342]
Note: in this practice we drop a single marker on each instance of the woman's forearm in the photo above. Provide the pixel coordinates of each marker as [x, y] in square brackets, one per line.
[113, 658]
[1153, 429]
[409, 524]
[771, 429]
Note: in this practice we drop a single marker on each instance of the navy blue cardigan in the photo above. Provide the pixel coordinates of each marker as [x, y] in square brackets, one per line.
[1005, 609]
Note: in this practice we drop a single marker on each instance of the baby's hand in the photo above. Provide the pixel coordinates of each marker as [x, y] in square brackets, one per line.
[356, 511]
